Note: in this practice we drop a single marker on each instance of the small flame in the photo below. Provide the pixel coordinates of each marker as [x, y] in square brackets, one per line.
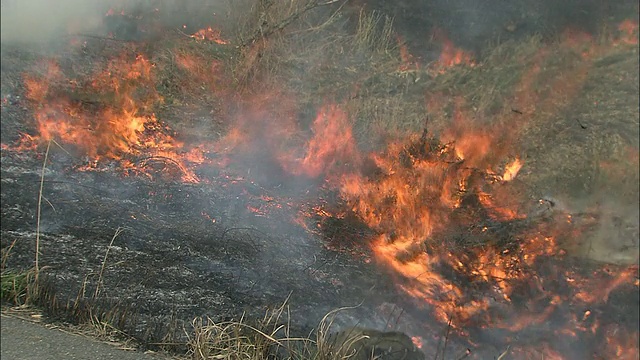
[511, 170]
[629, 32]
[450, 55]
[209, 34]
[408, 62]
[417, 341]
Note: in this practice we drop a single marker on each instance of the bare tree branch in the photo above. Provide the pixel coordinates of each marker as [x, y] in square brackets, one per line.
[265, 29]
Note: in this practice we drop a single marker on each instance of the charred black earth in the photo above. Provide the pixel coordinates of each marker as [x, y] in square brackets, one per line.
[171, 262]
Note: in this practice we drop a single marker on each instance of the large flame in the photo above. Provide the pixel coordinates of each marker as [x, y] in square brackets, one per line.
[420, 191]
[119, 125]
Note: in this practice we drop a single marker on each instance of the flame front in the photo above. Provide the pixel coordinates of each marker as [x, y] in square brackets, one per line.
[448, 220]
[423, 189]
[118, 126]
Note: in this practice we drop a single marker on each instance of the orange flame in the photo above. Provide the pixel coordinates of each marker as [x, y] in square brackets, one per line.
[210, 34]
[332, 145]
[407, 60]
[629, 32]
[424, 187]
[121, 129]
[450, 55]
[511, 170]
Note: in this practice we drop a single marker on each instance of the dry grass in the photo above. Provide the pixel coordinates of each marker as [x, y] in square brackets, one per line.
[243, 340]
[23, 287]
[191, 71]
[269, 338]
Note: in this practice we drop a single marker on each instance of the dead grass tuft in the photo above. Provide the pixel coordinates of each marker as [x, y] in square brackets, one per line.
[270, 338]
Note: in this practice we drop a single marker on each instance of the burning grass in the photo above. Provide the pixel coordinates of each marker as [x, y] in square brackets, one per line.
[461, 216]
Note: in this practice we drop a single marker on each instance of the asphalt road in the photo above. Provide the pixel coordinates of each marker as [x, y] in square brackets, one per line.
[24, 340]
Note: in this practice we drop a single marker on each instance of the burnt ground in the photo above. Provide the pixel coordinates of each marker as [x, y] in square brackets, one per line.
[225, 248]
[172, 263]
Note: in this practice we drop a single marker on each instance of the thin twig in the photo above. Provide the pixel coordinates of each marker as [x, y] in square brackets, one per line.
[270, 29]
[466, 354]
[5, 256]
[504, 353]
[60, 146]
[446, 338]
[37, 257]
[119, 230]
[50, 204]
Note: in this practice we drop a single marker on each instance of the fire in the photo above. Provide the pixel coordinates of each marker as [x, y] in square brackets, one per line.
[511, 170]
[331, 147]
[628, 32]
[623, 346]
[437, 206]
[199, 73]
[428, 193]
[580, 40]
[423, 189]
[450, 55]
[408, 62]
[417, 341]
[210, 34]
[591, 294]
[123, 128]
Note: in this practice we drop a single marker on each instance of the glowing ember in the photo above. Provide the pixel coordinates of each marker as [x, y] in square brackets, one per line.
[417, 341]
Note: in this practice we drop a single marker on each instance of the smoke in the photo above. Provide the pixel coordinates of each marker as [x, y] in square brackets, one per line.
[41, 20]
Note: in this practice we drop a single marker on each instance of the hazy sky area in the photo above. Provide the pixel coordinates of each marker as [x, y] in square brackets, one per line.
[41, 20]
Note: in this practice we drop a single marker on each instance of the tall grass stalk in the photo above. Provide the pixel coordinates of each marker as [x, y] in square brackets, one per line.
[39, 211]
[104, 261]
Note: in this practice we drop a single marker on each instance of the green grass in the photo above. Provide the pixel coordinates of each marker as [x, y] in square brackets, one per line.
[17, 286]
